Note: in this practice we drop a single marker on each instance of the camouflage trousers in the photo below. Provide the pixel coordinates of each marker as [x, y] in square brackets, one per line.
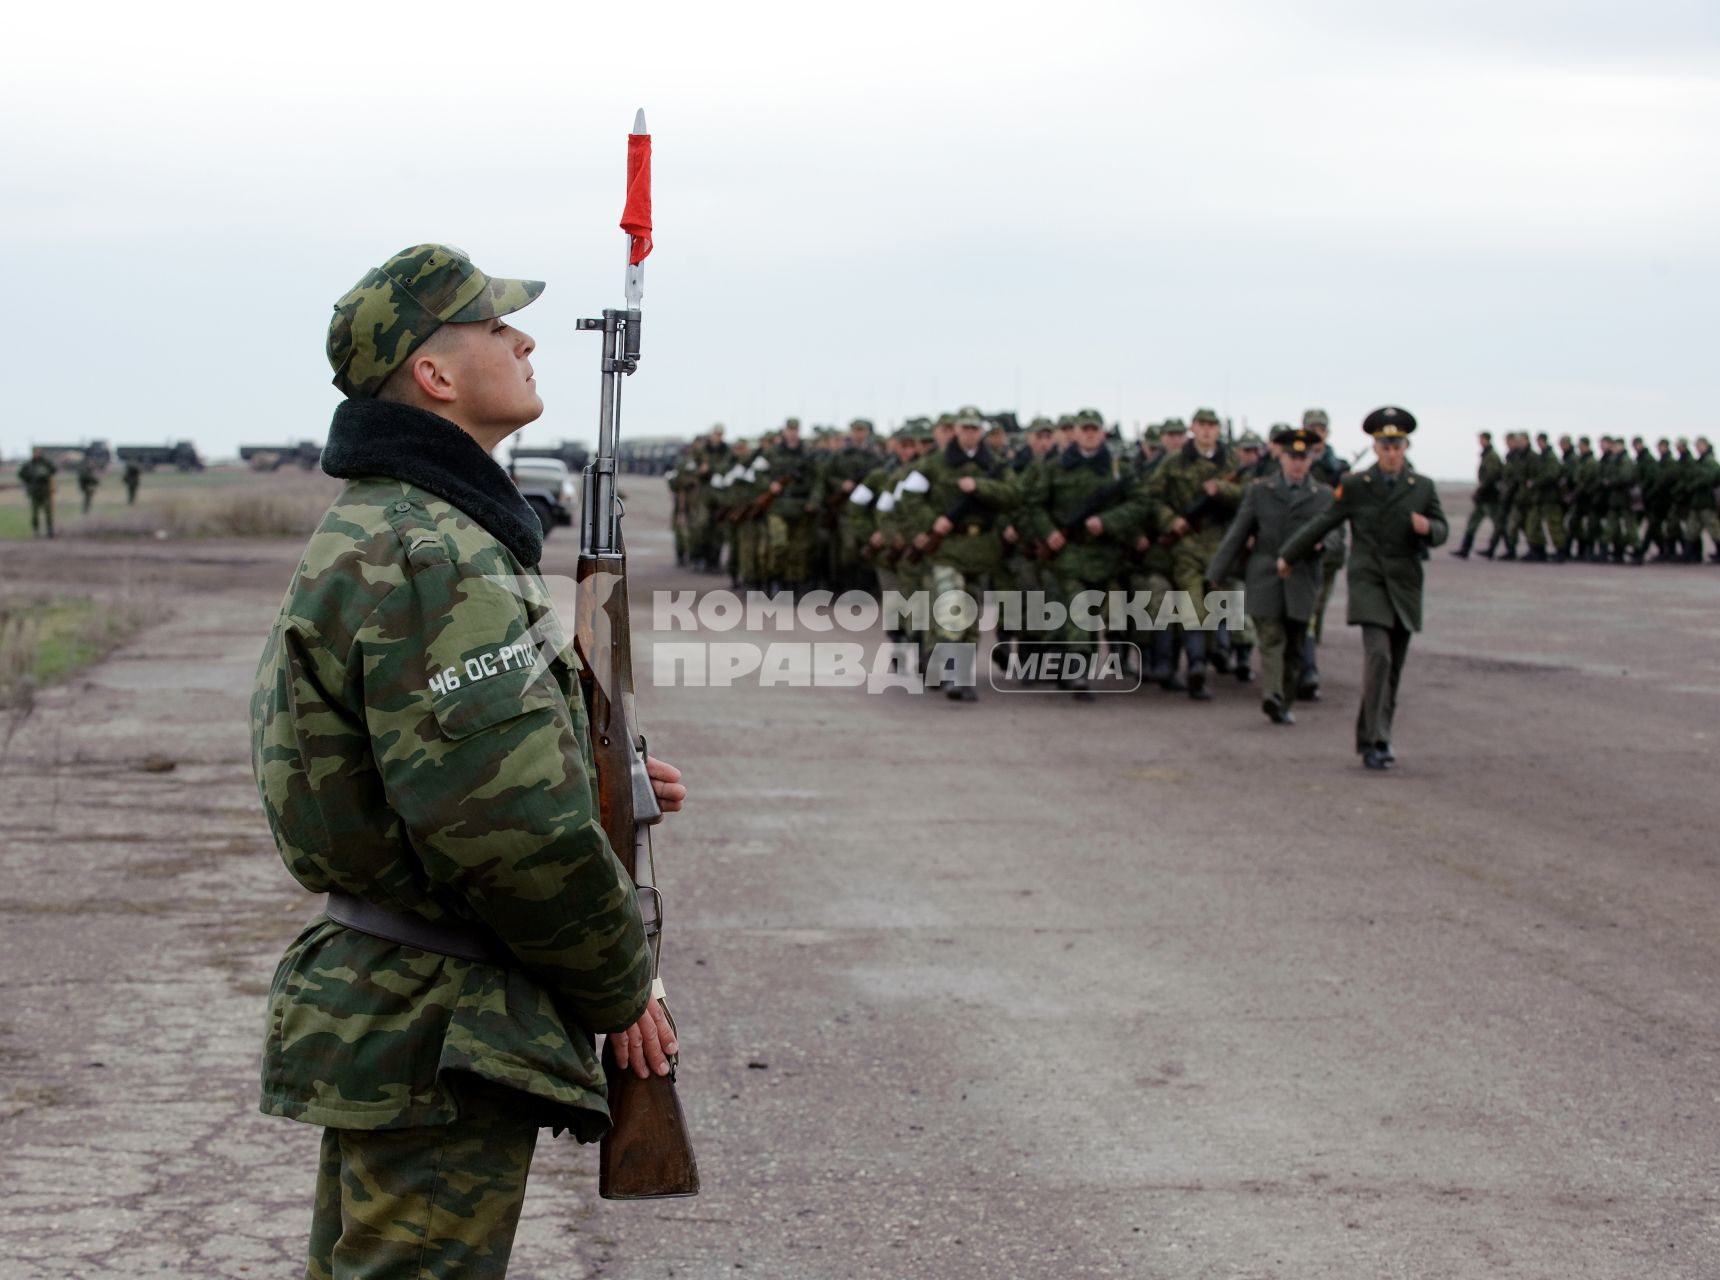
[1483, 511]
[788, 547]
[1621, 530]
[424, 1203]
[945, 579]
[1516, 523]
[41, 509]
[1546, 525]
[1703, 522]
[1189, 559]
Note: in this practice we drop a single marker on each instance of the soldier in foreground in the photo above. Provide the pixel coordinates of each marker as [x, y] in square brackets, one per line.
[1393, 514]
[1272, 509]
[37, 477]
[423, 753]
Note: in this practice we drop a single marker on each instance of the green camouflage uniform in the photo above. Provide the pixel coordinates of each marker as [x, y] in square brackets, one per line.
[1704, 474]
[133, 474]
[1486, 498]
[420, 741]
[1616, 478]
[37, 477]
[1517, 494]
[789, 525]
[1072, 486]
[89, 480]
[1546, 524]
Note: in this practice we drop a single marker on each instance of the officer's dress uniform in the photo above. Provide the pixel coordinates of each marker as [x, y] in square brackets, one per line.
[420, 742]
[1385, 572]
[1271, 511]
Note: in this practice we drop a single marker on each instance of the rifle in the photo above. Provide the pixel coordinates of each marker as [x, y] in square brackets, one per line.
[647, 1152]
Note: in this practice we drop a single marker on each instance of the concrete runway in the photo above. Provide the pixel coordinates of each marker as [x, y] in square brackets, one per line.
[1024, 988]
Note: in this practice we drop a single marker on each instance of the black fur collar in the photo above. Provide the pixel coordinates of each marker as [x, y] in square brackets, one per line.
[957, 457]
[382, 438]
[1219, 455]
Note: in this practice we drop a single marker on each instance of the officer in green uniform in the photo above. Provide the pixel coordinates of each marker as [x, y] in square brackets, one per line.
[1393, 514]
[1272, 509]
[1485, 501]
[1193, 493]
[37, 477]
[421, 746]
[133, 475]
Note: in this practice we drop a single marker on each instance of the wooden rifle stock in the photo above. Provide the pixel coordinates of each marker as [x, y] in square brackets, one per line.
[648, 1152]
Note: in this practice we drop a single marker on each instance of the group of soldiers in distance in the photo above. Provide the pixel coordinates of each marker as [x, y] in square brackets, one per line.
[1613, 505]
[37, 476]
[965, 504]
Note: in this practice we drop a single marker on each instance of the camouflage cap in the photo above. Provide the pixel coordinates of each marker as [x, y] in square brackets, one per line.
[1315, 418]
[386, 316]
[1173, 427]
[1042, 426]
[1088, 417]
[1151, 435]
[864, 424]
[1205, 415]
[1250, 441]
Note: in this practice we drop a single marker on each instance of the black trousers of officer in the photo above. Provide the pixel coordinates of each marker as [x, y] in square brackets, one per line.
[1383, 652]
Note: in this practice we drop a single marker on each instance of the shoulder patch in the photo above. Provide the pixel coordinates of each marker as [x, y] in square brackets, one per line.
[1339, 491]
[418, 533]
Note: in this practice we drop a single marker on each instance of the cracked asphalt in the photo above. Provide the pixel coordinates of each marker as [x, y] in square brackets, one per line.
[1018, 989]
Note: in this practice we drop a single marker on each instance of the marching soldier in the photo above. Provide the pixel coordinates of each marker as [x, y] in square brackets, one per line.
[1546, 525]
[1393, 514]
[796, 483]
[1658, 500]
[1704, 518]
[1272, 509]
[1329, 468]
[1022, 570]
[1084, 514]
[424, 762]
[89, 480]
[844, 472]
[1616, 484]
[1516, 489]
[133, 475]
[955, 526]
[1194, 495]
[37, 477]
[1486, 500]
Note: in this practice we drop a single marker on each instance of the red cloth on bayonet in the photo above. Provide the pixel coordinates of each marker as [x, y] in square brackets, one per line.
[636, 217]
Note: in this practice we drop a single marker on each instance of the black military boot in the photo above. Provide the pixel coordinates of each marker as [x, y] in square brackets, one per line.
[1493, 544]
[1637, 553]
[1308, 690]
[1536, 555]
[1462, 553]
[1195, 643]
[1510, 551]
[1242, 664]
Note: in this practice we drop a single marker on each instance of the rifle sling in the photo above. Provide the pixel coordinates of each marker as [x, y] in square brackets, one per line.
[449, 938]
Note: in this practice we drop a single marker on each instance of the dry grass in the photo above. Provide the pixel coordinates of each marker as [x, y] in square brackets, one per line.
[232, 503]
[45, 638]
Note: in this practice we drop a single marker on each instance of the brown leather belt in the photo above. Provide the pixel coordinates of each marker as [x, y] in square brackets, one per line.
[444, 937]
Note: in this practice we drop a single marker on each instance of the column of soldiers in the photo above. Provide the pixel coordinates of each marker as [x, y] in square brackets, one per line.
[961, 503]
[1613, 506]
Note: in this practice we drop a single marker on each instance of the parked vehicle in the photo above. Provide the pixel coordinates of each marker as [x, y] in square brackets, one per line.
[549, 487]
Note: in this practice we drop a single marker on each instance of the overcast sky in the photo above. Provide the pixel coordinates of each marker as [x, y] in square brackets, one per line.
[1497, 215]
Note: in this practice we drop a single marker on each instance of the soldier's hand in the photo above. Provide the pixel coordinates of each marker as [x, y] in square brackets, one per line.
[941, 526]
[967, 484]
[877, 538]
[1211, 487]
[666, 783]
[1419, 523]
[1143, 542]
[1283, 567]
[646, 1045]
[1010, 535]
[847, 486]
[1179, 526]
[919, 542]
[1095, 526]
[776, 486]
[1056, 541]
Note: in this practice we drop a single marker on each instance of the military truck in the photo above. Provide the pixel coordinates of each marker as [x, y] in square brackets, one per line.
[272, 457]
[575, 455]
[181, 456]
[648, 455]
[548, 488]
[64, 455]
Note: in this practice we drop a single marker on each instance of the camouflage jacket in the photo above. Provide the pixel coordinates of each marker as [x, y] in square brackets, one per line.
[974, 544]
[420, 740]
[1069, 488]
[1178, 488]
[37, 477]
